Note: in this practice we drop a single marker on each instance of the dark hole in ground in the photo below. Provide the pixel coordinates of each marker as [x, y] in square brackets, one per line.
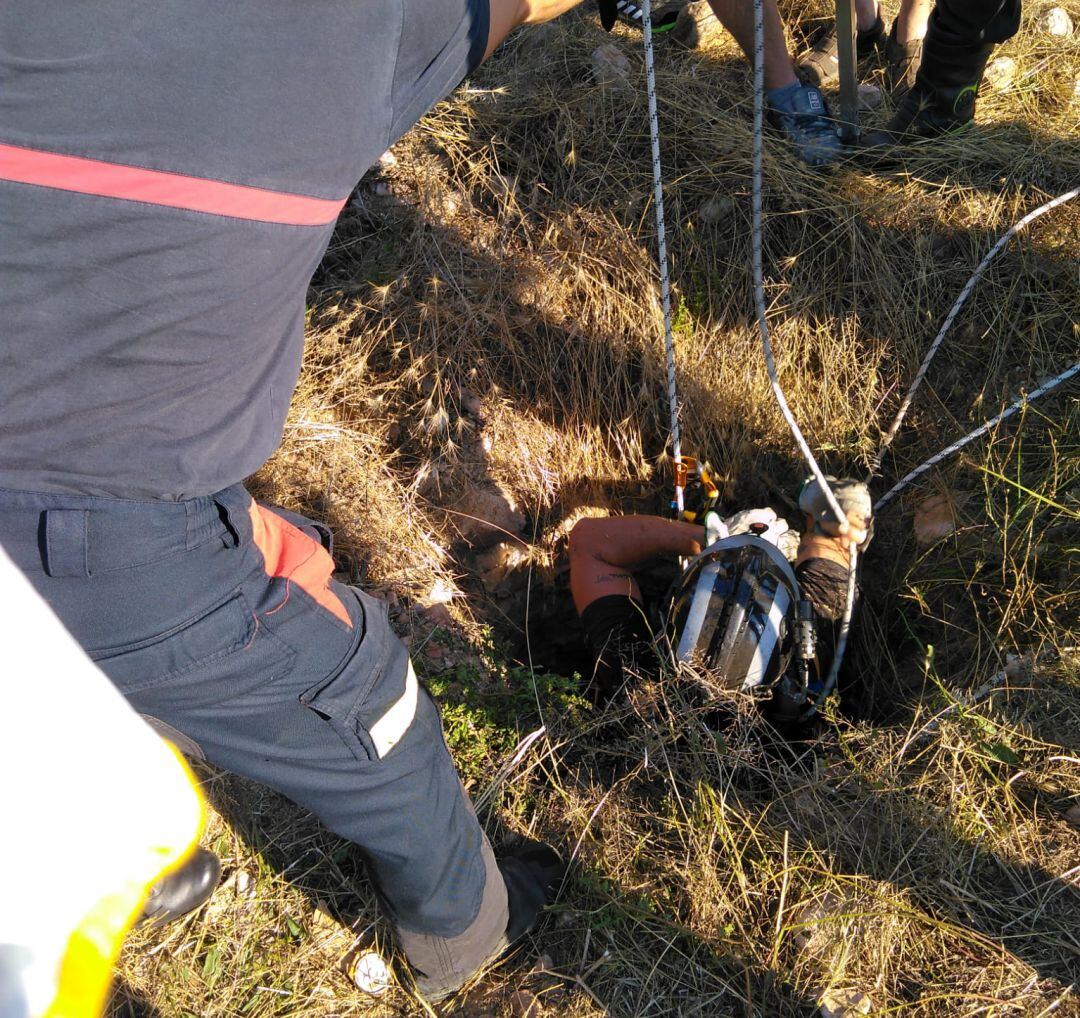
[533, 615]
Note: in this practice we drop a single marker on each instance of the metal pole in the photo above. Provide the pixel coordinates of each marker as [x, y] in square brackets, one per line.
[849, 84]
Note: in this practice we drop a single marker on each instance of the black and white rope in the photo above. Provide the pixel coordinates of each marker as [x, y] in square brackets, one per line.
[661, 245]
[770, 364]
[945, 453]
[875, 465]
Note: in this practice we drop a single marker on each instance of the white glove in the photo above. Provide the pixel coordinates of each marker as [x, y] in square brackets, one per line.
[854, 499]
[776, 530]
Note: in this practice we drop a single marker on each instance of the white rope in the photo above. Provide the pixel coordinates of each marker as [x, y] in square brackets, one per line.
[661, 244]
[759, 279]
[968, 287]
[904, 481]
[770, 364]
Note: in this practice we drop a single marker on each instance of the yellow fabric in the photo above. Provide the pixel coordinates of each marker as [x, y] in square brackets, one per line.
[86, 969]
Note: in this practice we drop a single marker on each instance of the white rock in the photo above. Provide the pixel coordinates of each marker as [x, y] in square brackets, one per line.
[935, 519]
[441, 593]
[869, 96]
[1056, 21]
[837, 1003]
[611, 66]
[388, 159]
[718, 207]
[371, 974]
[1000, 74]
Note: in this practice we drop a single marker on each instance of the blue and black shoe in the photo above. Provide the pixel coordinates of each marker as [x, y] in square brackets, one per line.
[805, 121]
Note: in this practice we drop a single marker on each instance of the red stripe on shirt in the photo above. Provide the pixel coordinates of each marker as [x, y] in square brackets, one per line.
[158, 187]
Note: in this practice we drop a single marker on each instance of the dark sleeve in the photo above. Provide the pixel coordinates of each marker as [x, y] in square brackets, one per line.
[824, 584]
[441, 42]
[619, 636]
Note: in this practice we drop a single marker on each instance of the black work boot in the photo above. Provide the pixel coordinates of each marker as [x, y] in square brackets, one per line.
[930, 110]
[184, 890]
[942, 100]
[902, 60]
[533, 872]
[820, 65]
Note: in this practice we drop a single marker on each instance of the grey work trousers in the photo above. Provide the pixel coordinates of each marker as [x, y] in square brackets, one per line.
[220, 618]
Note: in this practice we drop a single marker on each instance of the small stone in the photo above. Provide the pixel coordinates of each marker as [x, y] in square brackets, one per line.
[935, 520]
[387, 159]
[869, 96]
[1072, 816]
[718, 207]
[382, 189]
[524, 1004]
[441, 592]
[438, 615]
[611, 66]
[245, 886]
[837, 1003]
[1000, 74]
[1056, 21]
[696, 25]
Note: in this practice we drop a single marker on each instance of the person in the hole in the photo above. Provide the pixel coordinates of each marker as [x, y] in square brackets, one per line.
[740, 611]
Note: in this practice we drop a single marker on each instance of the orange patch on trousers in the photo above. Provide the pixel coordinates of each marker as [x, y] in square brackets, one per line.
[289, 553]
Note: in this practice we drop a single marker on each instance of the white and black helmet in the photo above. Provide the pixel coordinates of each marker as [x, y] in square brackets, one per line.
[733, 611]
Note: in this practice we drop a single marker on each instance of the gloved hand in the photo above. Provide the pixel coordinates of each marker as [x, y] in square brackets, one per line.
[854, 499]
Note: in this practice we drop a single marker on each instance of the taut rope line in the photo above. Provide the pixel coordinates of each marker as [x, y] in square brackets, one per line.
[763, 328]
[662, 255]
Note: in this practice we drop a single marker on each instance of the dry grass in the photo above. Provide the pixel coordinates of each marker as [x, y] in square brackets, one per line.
[485, 341]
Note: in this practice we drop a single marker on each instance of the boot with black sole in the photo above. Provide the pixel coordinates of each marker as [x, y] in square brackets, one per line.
[183, 890]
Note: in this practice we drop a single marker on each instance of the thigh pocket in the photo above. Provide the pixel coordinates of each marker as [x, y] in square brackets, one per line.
[214, 656]
[373, 699]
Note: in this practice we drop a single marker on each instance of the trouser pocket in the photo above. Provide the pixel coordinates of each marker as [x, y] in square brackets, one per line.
[374, 698]
[214, 656]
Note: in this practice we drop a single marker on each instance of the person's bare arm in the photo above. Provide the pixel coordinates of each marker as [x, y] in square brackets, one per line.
[506, 15]
[603, 552]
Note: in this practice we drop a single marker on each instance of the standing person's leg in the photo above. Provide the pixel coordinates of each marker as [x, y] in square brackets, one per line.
[820, 65]
[911, 19]
[737, 16]
[799, 112]
[903, 47]
[960, 36]
[221, 619]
